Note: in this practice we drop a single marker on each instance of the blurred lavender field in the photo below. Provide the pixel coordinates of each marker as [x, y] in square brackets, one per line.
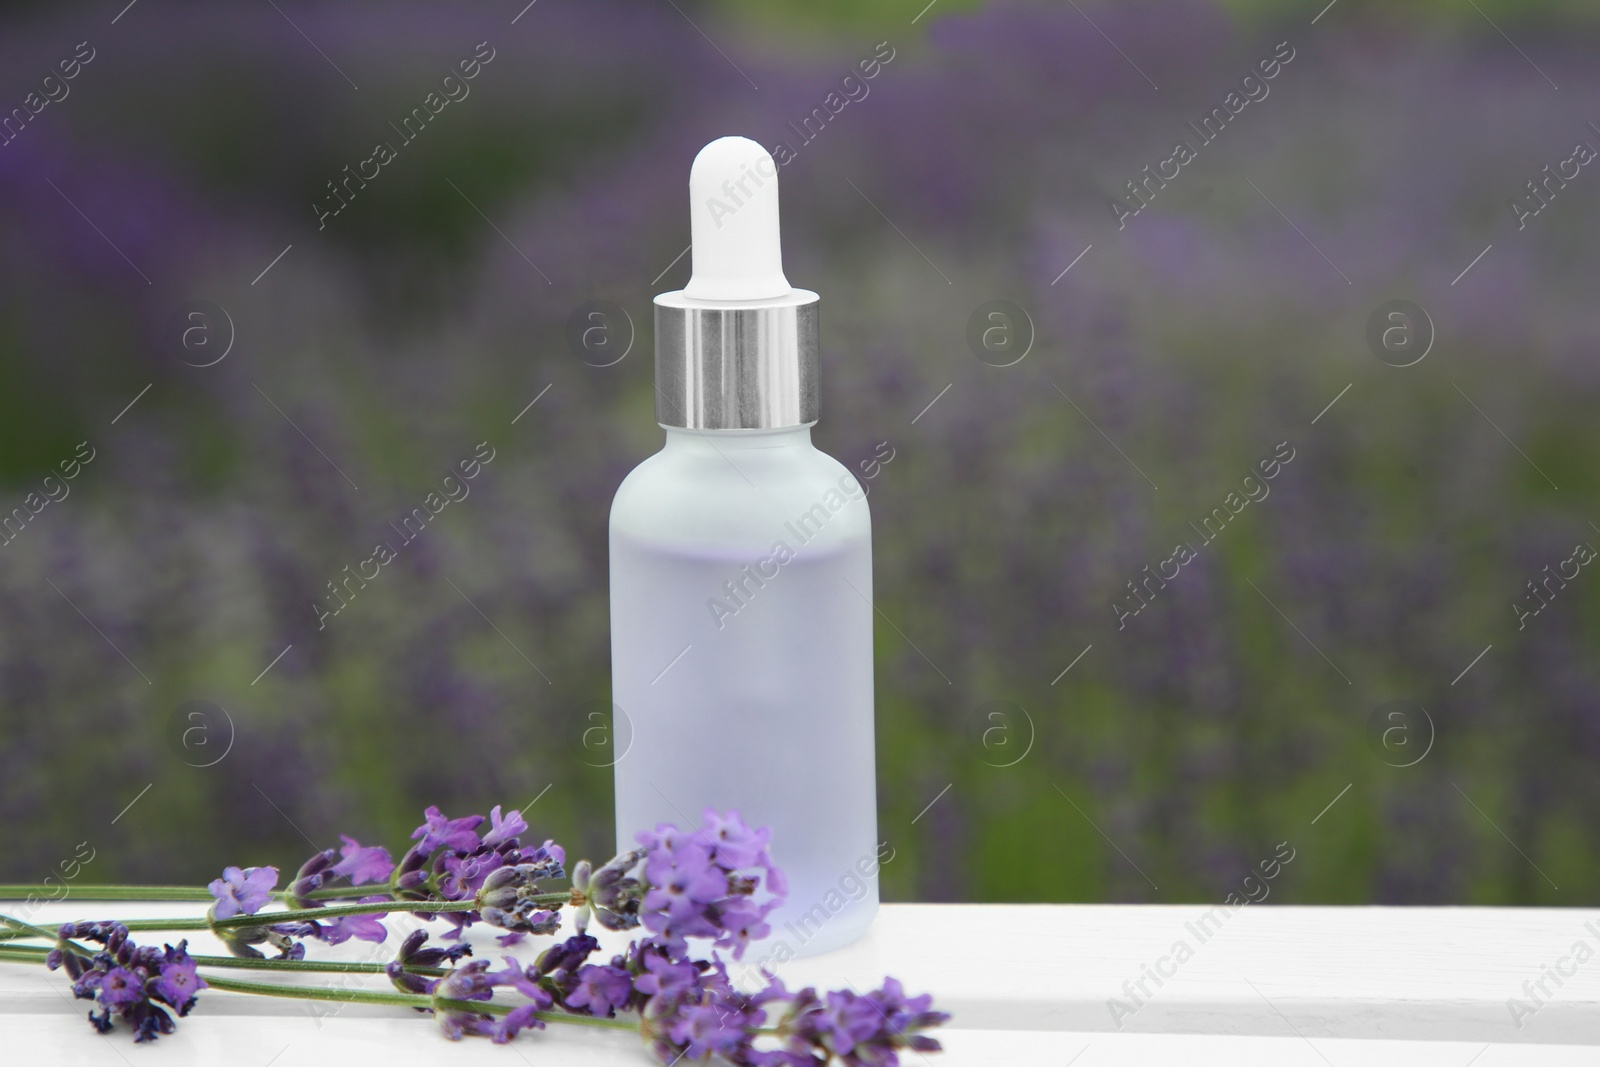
[981, 161]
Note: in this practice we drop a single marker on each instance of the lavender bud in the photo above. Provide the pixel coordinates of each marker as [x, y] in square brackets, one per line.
[312, 874]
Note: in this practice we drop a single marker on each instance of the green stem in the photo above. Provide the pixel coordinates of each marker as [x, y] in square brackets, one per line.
[26, 929]
[36, 953]
[299, 992]
[186, 893]
[53, 894]
[267, 918]
[402, 1000]
[18, 935]
[17, 891]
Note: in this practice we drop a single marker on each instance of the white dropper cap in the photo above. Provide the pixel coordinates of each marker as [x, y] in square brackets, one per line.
[733, 223]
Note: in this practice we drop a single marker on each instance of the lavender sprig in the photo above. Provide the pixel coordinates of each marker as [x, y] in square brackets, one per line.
[715, 884]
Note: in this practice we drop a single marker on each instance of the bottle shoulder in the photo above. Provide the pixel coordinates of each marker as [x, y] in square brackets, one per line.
[719, 499]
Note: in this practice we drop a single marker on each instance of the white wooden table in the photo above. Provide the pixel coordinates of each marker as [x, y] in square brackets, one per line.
[1028, 985]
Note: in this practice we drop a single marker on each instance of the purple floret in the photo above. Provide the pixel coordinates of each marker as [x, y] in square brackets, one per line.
[363, 863]
[735, 845]
[242, 892]
[440, 832]
[505, 829]
[600, 989]
[120, 986]
[361, 927]
[177, 983]
[683, 881]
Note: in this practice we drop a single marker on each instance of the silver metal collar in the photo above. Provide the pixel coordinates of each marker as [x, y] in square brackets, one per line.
[750, 365]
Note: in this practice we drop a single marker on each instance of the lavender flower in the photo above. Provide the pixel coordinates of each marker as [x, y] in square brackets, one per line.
[559, 964]
[699, 885]
[464, 875]
[467, 982]
[742, 922]
[503, 830]
[311, 875]
[514, 1021]
[507, 900]
[128, 981]
[440, 832]
[242, 891]
[452, 862]
[370, 864]
[682, 883]
[409, 879]
[178, 983]
[600, 990]
[525, 980]
[610, 894]
[413, 954]
[475, 982]
[665, 977]
[567, 956]
[871, 1028]
[695, 1011]
[361, 927]
[246, 892]
[362, 864]
[120, 987]
[735, 845]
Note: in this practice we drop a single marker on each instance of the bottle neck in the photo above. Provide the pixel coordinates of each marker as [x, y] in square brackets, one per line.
[793, 437]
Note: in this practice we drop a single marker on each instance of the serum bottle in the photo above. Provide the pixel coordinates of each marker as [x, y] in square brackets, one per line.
[741, 576]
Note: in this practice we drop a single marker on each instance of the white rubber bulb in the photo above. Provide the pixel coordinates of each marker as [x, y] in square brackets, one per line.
[733, 223]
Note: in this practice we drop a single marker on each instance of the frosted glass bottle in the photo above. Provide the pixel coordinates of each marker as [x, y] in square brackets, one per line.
[741, 645]
[741, 577]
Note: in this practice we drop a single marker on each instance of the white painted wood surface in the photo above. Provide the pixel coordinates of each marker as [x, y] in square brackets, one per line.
[1028, 984]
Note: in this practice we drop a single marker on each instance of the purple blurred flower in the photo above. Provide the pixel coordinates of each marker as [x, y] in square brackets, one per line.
[465, 982]
[514, 1022]
[566, 956]
[868, 1028]
[683, 882]
[665, 977]
[601, 989]
[734, 845]
[696, 885]
[524, 980]
[742, 922]
[698, 1012]
[709, 1029]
